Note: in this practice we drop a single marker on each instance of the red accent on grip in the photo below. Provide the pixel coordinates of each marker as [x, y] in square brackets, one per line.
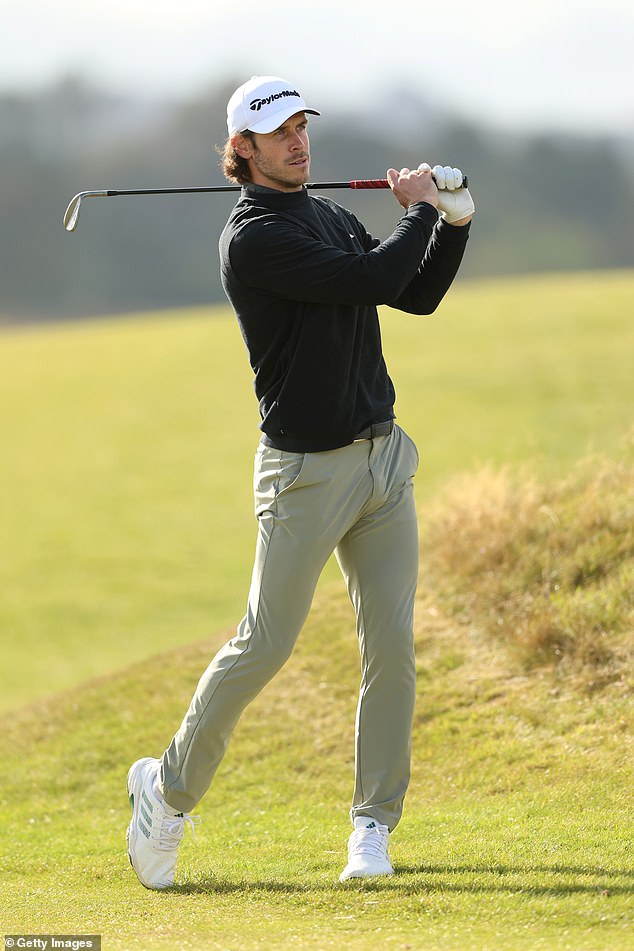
[383, 183]
[370, 183]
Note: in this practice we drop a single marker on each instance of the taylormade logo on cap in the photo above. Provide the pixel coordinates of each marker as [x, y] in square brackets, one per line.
[258, 103]
[263, 104]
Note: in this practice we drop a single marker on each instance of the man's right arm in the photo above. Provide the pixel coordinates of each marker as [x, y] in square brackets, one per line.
[410, 270]
[410, 187]
[278, 256]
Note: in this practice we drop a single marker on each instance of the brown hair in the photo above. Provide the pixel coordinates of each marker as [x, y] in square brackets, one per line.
[233, 166]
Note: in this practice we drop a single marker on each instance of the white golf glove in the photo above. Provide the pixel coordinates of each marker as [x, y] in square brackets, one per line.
[454, 202]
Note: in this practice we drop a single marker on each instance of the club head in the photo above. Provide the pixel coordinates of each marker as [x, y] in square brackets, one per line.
[71, 215]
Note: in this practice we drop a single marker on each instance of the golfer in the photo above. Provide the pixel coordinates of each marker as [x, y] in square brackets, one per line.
[332, 470]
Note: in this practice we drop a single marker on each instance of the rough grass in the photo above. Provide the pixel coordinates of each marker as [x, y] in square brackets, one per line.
[546, 567]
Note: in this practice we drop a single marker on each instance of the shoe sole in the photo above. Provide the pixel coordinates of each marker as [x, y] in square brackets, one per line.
[347, 878]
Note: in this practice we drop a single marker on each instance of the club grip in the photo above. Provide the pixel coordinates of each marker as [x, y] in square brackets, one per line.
[383, 183]
[370, 183]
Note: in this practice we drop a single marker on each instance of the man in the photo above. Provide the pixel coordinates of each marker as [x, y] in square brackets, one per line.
[333, 472]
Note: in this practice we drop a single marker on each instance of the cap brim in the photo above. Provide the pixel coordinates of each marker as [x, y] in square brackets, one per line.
[271, 123]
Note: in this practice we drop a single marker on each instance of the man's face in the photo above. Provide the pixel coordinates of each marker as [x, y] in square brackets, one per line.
[279, 159]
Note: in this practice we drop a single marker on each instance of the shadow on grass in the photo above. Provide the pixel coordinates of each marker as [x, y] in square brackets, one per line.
[443, 878]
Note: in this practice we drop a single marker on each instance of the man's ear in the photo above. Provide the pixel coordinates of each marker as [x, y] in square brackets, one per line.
[243, 147]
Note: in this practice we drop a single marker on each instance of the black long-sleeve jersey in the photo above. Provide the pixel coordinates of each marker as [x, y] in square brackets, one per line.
[305, 278]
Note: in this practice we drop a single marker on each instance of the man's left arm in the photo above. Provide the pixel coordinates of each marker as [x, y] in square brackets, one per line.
[437, 270]
[446, 245]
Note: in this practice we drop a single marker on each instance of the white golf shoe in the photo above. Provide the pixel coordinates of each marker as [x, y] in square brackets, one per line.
[367, 850]
[155, 830]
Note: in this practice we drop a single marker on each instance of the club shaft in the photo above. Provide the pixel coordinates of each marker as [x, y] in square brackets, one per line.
[71, 217]
[356, 184]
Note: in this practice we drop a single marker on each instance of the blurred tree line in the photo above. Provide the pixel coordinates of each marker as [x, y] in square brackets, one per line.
[542, 204]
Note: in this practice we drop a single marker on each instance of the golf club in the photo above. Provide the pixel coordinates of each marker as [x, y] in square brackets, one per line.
[71, 216]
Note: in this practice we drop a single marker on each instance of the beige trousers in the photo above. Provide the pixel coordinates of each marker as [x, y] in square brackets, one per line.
[358, 502]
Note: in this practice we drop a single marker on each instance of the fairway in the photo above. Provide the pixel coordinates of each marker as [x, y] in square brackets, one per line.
[126, 506]
[516, 832]
[127, 536]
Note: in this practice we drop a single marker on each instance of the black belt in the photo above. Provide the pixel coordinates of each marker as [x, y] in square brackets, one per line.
[376, 429]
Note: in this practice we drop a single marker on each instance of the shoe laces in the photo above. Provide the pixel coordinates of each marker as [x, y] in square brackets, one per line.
[172, 830]
[369, 842]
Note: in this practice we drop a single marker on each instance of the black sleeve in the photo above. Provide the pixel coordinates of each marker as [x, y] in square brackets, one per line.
[280, 257]
[436, 272]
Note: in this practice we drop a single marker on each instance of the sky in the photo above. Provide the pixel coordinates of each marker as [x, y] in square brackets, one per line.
[547, 64]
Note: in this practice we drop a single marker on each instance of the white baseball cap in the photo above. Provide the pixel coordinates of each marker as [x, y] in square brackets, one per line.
[263, 104]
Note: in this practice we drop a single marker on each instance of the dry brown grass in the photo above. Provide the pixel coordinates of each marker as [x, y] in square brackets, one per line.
[548, 568]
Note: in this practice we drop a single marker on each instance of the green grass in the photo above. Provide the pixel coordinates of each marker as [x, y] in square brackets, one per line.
[516, 833]
[536, 370]
[127, 535]
[126, 512]
[126, 520]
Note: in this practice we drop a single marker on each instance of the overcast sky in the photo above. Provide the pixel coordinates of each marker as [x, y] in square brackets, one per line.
[548, 63]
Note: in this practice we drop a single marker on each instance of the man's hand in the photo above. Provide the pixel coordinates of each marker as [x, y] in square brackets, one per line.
[411, 186]
[454, 202]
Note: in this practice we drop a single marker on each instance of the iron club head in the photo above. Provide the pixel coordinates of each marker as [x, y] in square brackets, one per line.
[71, 215]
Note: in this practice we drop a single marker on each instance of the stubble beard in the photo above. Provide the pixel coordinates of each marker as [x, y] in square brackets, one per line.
[284, 176]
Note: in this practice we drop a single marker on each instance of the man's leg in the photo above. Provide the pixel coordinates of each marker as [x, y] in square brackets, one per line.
[291, 552]
[305, 505]
[379, 559]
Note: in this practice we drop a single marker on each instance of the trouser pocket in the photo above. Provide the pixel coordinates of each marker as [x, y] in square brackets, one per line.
[276, 473]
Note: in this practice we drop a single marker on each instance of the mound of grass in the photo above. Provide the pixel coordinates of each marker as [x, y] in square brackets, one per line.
[547, 567]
